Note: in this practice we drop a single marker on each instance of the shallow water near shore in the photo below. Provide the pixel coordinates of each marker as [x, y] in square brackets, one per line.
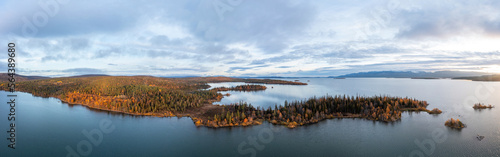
[45, 126]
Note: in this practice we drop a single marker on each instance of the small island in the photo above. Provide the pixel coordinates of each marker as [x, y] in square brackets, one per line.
[456, 124]
[245, 88]
[479, 106]
[435, 111]
[479, 137]
[423, 109]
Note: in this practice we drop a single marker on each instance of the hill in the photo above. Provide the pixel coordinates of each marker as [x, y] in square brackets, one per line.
[5, 76]
[88, 75]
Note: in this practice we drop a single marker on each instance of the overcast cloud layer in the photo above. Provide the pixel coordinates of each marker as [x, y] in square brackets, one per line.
[250, 37]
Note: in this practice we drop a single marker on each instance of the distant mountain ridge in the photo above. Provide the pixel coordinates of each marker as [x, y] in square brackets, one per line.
[88, 75]
[410, 74]
[372, 74]
[5, 77]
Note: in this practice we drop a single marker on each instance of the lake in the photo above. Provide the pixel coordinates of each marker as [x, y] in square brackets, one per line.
[47, 127]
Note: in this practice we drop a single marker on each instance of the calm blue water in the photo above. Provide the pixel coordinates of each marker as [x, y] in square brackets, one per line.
[45, 126]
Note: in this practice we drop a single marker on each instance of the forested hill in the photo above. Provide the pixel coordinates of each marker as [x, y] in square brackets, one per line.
[5, 77]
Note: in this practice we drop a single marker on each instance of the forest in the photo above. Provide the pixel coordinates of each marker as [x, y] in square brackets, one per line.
[140, 95]
[242, 88]
[297, 113]
[165, 97]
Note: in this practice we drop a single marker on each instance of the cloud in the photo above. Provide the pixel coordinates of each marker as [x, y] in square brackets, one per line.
[72, 18]
[164, 40]
[53, 49]
[258, 37]
[333, 53]
[3, 65]
[245, 68]
[278, 59]
[53, 58]
[76, 44]
[83, 71]
[109, 51]
[284, 67]
[446, 19]
[172, 69]
[270, 26]
[316, 72]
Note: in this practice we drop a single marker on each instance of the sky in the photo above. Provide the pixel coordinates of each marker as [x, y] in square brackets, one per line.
[250, 37]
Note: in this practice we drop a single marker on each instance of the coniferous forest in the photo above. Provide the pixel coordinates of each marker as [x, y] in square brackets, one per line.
[296, 113]
[454, 123]
[242, 88]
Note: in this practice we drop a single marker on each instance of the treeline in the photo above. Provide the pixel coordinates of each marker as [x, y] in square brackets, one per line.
[270, 81]
[241, 114]
[242, 88]
[379, 108]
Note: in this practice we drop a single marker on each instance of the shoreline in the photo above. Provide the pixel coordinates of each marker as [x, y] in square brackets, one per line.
[196, 115]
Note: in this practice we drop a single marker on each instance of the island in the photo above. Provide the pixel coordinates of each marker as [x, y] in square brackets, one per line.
[479, 106]
[242, 88]
[479, 137]
[190, 97]
[435, 111]
[455, 124]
